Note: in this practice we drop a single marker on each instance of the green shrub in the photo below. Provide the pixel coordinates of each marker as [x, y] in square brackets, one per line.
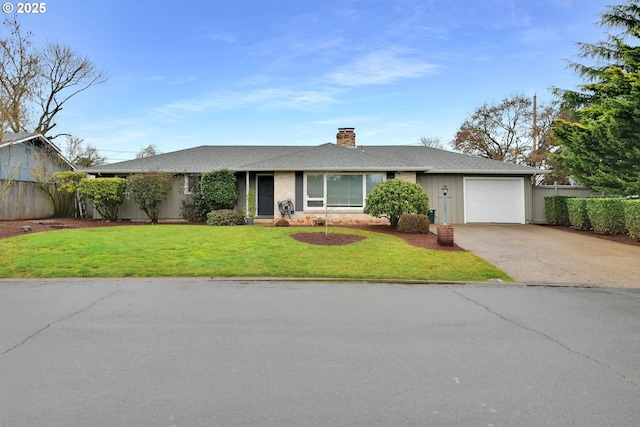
[395, 197]
[107, 194]
[225, 217]
[192, 207]
[69, 180]
[282, 223]
[555, 209]
[606, 215]
[148, 190]
[413, 223]
[219, 190]
[632, 218]
[251, 203]
[578, 216]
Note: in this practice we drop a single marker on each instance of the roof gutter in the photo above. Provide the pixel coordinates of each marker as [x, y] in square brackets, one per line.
[488, 172]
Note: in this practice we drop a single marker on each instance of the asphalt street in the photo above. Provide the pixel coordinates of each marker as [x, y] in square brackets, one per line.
[189, 352]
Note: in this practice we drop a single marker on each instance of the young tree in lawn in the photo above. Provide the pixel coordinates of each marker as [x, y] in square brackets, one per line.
[395, 197]
[149, 190]
[602, 141]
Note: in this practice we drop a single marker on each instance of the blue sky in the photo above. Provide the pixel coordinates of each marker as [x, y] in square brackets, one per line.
[190, 73]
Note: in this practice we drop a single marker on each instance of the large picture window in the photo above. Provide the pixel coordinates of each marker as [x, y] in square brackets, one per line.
[339, 190]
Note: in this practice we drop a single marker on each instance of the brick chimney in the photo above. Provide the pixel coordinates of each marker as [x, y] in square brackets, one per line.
[346, 137]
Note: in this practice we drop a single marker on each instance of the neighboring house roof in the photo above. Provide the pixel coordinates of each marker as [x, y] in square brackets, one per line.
[23, 137]
[325, 157]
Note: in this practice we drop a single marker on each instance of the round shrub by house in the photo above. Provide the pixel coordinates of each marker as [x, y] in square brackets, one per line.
[394, 197]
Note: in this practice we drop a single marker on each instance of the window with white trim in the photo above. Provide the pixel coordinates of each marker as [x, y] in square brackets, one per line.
[339, 190]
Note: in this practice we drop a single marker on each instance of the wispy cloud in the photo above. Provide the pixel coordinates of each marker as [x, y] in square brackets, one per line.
[262, 99]
[383, 66]
[536, 35]
[222, 37]
[156, 78]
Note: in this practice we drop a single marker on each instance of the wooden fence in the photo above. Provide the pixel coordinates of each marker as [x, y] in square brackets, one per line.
[24, 200]
[541, 191]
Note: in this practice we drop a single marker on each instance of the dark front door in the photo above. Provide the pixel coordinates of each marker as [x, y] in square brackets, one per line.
[265, 195]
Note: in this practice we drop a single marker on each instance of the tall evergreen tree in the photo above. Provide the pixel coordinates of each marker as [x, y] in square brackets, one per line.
[602, 140]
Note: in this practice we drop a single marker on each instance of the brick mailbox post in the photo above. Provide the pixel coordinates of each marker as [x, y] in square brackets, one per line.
[445, 235]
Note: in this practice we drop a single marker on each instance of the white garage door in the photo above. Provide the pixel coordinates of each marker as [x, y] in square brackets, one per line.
[494, 200]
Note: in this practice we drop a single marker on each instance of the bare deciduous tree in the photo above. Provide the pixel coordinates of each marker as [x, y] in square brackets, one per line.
[433, 142]
[150, 150]
[81, 155]
[501, 131]
[40, 80]
[19, 68]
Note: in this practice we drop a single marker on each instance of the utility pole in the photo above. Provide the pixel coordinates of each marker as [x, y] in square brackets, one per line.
[534, 134]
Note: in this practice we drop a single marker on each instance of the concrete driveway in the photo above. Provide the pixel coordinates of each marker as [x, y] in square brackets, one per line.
[536, 254]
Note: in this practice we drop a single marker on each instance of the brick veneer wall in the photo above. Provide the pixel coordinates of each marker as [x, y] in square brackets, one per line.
[406, 176]
[284, 184]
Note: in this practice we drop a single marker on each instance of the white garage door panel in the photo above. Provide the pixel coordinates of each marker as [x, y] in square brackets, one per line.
[494, 200]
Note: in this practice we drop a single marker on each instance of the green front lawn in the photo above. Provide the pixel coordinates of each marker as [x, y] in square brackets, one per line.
[184, 250]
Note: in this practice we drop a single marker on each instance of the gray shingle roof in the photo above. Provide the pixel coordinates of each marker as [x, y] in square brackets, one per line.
[443, 161]
[331, 157]
[319, 158]
[18, 136]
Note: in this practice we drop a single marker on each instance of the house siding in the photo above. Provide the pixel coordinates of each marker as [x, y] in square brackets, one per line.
[432, 183]
[22, 159]
[289, 185]
[169, 208]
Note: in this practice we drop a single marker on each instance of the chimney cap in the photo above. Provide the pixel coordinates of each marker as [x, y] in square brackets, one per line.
[346, 129]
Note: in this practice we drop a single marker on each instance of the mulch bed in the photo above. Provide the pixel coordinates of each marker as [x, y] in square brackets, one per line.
[13, 228]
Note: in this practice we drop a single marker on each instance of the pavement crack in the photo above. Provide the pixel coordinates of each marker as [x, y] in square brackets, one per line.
[519, 325]
[62, 319]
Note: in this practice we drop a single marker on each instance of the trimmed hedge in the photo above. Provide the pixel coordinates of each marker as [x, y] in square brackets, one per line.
[413, 223]
[555, 209]
[225, 217]
[606, 215]
[218, 189]
[578, 215]
[632, 218]
[107, 195]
